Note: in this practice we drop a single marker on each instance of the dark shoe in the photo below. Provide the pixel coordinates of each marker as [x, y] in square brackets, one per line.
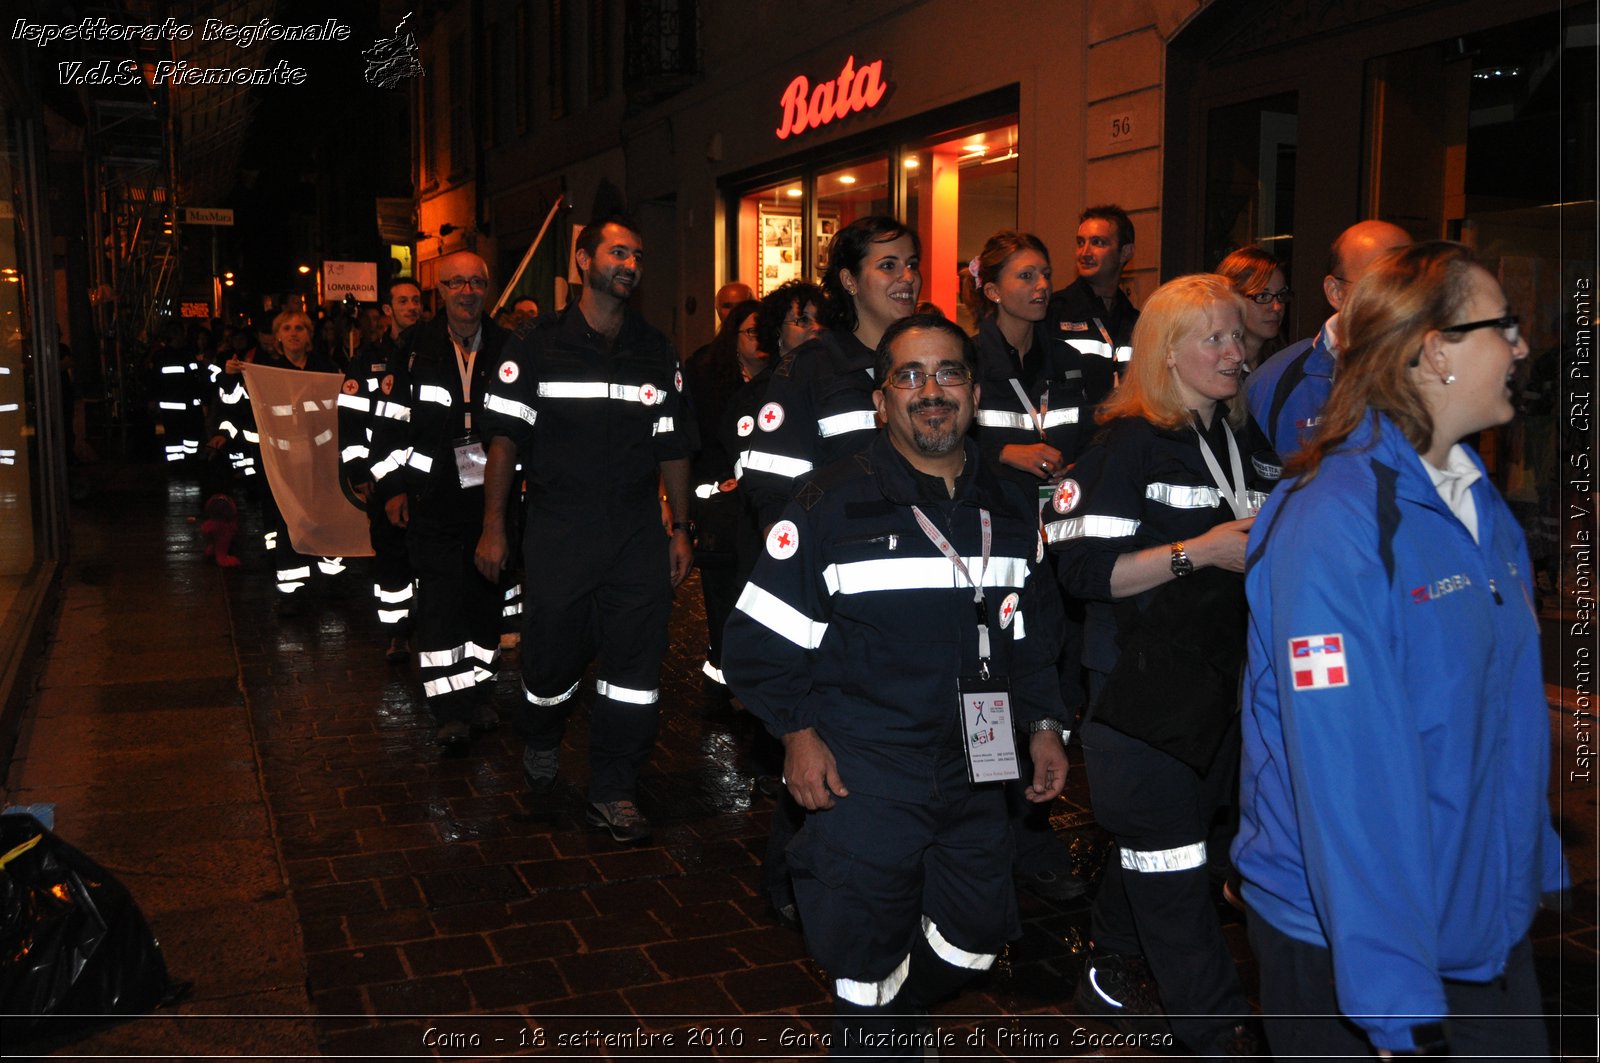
[1121, 989]
[785, 915]
[454, 736]
[484, 718]
[622, 818]
[539, 768]
[1053, 885]
[399, 650]
[1236, 1042]
[770, 786]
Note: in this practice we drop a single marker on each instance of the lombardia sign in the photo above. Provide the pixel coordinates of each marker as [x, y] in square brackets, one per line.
[855, 89]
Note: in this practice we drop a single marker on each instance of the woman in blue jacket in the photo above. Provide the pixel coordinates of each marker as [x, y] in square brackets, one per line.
[1395, 837]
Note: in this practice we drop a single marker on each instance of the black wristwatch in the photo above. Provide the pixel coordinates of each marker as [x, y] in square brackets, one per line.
[1181, 565]
[684, 526]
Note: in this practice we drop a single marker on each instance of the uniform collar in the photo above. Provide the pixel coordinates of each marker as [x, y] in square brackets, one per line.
[905, 486]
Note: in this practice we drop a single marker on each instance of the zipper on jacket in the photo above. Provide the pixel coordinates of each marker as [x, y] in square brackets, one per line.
[1495, 591]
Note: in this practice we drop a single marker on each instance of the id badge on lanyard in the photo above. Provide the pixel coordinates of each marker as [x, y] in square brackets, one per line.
[987, 740]
[470, 460]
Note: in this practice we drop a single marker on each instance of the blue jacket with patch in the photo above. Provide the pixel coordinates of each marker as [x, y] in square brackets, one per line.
[1396, 734]
[1287, 392]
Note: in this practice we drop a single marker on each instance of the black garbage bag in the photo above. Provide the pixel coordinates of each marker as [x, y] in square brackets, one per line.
[74, 947]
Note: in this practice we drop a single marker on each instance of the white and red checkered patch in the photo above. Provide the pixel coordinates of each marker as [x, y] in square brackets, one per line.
[1316, 662]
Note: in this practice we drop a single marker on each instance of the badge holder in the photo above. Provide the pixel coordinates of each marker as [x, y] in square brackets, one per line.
[470, 460]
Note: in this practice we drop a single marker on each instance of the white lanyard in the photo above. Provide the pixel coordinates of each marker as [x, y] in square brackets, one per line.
[1235, 495]
[465, 357]
[936, 537]
[1037, 415]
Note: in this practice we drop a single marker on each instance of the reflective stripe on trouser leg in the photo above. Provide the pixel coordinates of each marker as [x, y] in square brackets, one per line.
[330, 566]
[391, 571]
[455, 630]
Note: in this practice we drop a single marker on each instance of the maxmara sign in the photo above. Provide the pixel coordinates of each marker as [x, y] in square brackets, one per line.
[855, 89]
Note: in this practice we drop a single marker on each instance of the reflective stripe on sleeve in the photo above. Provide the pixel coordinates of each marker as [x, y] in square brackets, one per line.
[172, 369]
[1180, 496]
[1183, 858]
[920, 573]
[395, 411]
[952, 954]
[662, 426]
[840, 423]
[1090, 346]
[873, 994]
[1091, 527]
[421, 462]
[776, 464]
[779, 616]
[705, 491]
[173, 405]
[1065, 415]
[510, 407]
[359, 403]
[587, 389]
[629, 695]
[1017, 631]
[712, 672]
[1004, 419]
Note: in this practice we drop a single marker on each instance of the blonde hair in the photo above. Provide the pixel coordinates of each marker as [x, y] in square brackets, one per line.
[1405, 294]
[285, 316]
[1173, 313]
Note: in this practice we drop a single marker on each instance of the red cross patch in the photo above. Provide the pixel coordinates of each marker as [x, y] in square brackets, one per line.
[770, 417]
[747, 424]
[1067, 496]
[1008, 609]
[351, 386]
[508, 372]
[388, 383]
[783, 540]
[1317, 662]
[677, 380]
[648, 395]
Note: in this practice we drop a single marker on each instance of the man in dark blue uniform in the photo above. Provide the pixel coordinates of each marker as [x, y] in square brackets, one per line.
[592, 401]
[358, 398]
[1093, 313]
[900, 635]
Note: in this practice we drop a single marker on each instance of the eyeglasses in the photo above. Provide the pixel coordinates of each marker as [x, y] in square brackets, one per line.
[1265, 297]
[1509, 326]
[801, 321]
[909, 378]
[455, 284]
[748, 332]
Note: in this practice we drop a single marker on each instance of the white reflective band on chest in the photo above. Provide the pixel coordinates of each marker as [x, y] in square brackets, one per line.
[172, 369]
[1090, 346]
[777, 464]
[662, 426]
[626, 694]
[1065, 415]
[1182, 496]
[435, 393]
[1255, 500]
[873, 994]
[1090, 527]
[511, 408]
[1183, 858]
[1124, 353]
[420, 462]
[359, 403]
[952, 954]
[395, 411]
[920, 573]
[783, 618]
[840, 423]
[546, 702]
[587, 389]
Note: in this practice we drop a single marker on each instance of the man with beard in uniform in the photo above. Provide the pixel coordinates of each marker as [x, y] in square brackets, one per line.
[900, 635]
[359, 398]
[429, 474]
[592, 400]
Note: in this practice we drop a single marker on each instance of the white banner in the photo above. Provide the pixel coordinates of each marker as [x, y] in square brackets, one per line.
[297, 416]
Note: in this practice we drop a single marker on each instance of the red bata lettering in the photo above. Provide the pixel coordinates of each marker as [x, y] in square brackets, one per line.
[852, 91]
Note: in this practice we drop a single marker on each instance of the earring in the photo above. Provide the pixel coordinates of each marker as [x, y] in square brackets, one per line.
[1449, 379]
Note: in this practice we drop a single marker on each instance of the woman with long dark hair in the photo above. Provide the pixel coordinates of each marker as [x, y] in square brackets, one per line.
[1395, 838]
[818, 406]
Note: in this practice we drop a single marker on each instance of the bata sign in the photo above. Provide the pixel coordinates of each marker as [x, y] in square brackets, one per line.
[853, 90]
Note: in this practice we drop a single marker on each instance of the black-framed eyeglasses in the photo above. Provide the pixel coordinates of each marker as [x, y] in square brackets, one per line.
[909, 378]
[1266, 297]
[455, 284]
[800, 321]
[748, 332]
[1510, 327]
